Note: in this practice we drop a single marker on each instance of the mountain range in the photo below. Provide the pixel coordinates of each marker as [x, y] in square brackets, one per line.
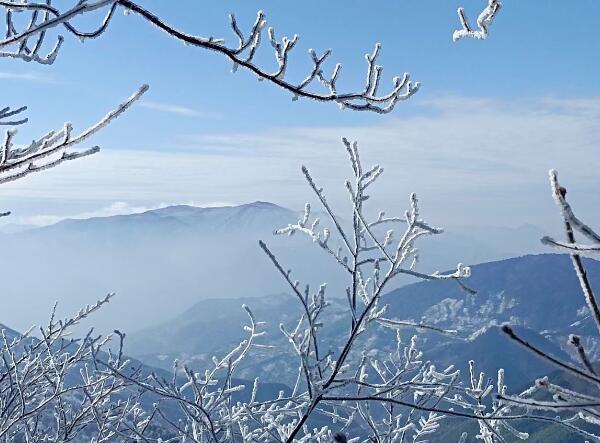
[523, 291]
[538, 294]
[182, 274]
[160, 262]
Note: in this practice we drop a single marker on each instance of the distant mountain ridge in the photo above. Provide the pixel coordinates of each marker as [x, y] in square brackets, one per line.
[158, 262]
[526, 289]
[523, 291]
[161, 261]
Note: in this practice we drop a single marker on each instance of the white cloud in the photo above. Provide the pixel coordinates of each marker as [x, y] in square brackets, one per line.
[471, 161]
[178, 110]
[26, 76]
[116, 208]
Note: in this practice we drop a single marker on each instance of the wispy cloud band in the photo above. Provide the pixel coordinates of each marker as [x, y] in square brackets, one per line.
[169, 108]
[26, 76]
[471, 161]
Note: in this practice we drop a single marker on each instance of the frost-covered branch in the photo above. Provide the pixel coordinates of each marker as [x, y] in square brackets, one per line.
[388, 395]
[206, 411]
[572, 224]
[6, 115]
[363, 389]
[54, 147]
[367, 99]
[27, 43]
[584, 403]
[484, 21]
[51, 391]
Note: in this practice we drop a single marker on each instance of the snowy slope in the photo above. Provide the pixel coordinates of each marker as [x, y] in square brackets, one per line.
[524, 291]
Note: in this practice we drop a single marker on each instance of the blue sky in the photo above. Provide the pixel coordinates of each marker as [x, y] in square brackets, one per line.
[476, 141]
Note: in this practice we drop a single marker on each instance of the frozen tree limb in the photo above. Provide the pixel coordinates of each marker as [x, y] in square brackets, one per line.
[52, 149]
[585, 405]
[50, 390]
[27, 44]
[484, 21]
[367, 99]
[394, 395]
[576, 248]
[372, 261]
[204, 400]
[572, 223]
[540, 353]
[44, 17]
[6, 114]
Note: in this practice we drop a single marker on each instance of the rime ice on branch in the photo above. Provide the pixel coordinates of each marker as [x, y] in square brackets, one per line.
[354, 388]
[53, 148]
[387, 396]
[484, 21]
[26, 44]
[51, 389]
[6, 115]
[579, 407]
[242, 55]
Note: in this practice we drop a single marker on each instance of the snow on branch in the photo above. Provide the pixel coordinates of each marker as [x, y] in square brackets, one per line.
[578, 408]
[559, 193]
[203, 399]
[26, 44]
[392, 394]
[54, 147]
[6, 114]
[50, 389]
[484, 21]
[242, 55]
[573, 224]
[371, 259]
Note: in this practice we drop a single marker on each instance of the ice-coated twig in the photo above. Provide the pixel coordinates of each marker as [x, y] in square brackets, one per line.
[575, 341]
[540, 353]
[372, 259]
[571, 248]
[572, 223]
[26, 44]
[6, 114]
[51, 390]
[397, 324]
[484, 21]
[204, 399]
[45, 16]
[584, 401]
[51, 149]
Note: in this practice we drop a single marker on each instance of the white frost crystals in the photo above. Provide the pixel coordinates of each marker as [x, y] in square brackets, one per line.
[51, 149]
[52, 391]
[27, 44]
[484, 21]
[356, 395]
[361, 390]
[575, 398]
